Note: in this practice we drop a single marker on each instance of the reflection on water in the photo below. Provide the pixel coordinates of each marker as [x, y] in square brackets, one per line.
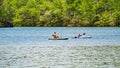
[59, 56]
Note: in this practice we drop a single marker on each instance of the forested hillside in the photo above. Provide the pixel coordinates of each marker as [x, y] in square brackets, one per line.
[59, 13]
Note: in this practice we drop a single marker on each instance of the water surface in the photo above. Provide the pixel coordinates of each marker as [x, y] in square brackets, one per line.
[39, 36]
[29, 47]
[59, 56]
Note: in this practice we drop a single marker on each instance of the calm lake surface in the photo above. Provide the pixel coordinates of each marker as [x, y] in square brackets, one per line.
[29, 47]
[39, 36]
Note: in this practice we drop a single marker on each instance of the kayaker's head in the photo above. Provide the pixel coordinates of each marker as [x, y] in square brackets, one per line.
[54, 32]
[84, 33]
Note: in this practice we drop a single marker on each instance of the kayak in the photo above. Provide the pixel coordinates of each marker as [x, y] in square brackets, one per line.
[83, 37]
[57, 38]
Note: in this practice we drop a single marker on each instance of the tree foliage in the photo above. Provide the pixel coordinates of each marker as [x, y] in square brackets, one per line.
[59, 13]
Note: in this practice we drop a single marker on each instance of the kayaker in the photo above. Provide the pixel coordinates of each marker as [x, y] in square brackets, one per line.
[55, 35]
[78, 36]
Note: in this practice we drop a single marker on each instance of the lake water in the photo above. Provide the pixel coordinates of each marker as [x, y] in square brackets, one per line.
[29, 47]
[39, 36]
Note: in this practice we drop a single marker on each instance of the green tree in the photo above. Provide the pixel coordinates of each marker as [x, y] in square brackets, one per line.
[60, 12]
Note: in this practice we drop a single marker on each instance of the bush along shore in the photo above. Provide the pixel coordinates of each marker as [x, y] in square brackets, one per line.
[59, 13]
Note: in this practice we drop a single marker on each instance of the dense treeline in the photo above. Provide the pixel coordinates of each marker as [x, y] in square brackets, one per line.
[59, 13]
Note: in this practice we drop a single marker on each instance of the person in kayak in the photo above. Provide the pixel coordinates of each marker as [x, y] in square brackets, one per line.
[78, 36]
[55, 35]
